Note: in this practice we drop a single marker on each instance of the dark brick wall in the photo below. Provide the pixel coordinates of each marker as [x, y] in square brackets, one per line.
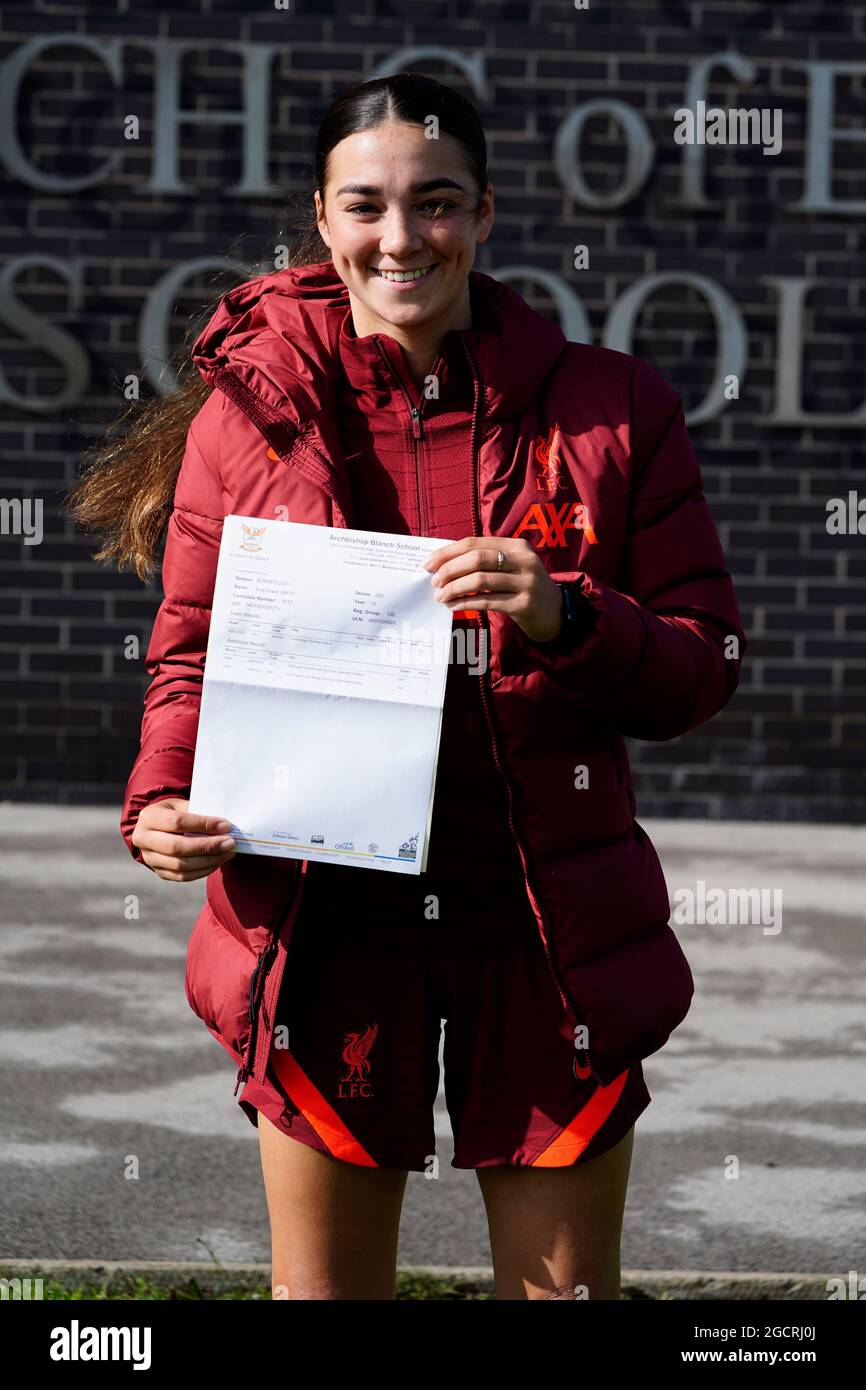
[792, 743]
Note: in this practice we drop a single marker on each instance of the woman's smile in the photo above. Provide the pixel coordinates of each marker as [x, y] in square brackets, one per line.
[403, 279]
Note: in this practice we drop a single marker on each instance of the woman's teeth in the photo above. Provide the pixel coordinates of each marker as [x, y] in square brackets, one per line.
[402, 275]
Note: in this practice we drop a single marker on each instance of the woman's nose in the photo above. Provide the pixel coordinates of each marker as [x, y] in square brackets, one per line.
[400, 235]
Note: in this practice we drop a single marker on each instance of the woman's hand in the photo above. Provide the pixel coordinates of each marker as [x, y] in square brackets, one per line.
[466, 570]
[179, 846]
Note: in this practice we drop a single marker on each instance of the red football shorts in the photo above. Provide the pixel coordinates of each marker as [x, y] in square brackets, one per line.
[354, 1070]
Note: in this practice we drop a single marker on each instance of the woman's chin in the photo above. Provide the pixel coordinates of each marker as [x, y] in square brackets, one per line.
[402, 315]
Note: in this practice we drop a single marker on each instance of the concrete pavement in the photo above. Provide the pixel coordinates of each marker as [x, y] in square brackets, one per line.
[120, 1138]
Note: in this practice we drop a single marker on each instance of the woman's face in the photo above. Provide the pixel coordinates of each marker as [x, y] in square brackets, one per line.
[396, 201]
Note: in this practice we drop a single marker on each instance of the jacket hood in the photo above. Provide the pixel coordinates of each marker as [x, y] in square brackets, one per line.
[279, 333]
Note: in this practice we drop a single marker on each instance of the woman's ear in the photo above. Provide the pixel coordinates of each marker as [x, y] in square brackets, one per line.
[485, 215]
[320, 219]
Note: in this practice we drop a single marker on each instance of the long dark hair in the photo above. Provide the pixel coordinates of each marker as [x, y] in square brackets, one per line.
[127, 486]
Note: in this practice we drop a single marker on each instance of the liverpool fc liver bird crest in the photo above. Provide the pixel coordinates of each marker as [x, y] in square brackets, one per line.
[356, 1053]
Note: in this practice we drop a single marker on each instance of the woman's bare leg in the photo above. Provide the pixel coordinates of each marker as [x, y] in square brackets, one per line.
[553, 1230]
[334, 1225]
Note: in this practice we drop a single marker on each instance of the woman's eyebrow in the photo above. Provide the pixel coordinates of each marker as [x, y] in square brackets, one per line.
[369, 190]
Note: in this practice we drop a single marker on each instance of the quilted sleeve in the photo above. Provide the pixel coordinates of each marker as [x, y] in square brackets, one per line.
[176, 652]
[661, 653]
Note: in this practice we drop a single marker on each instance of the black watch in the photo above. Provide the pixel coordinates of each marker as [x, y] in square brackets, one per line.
[573, 619]
[571, 622]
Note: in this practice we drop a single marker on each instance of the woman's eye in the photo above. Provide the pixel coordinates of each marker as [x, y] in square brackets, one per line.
[435, 207]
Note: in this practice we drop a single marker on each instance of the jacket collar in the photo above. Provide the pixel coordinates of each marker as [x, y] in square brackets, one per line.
[280, 334]
[365, 363]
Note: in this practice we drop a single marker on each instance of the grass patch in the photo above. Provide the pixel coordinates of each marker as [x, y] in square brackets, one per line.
[119, 1288]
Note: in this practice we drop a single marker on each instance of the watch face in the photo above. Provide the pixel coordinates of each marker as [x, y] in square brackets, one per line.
[571, 621]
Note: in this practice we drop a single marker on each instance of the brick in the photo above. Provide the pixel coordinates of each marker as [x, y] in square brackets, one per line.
[800, 706]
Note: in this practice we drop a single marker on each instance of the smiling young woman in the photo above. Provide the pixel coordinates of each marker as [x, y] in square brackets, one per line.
[390, 386]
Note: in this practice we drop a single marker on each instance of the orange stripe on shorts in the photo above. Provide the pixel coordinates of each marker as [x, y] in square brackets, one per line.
[316, 1110]
[571, 1141]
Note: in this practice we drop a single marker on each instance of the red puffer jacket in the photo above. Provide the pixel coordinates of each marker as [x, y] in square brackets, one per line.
[584, 452]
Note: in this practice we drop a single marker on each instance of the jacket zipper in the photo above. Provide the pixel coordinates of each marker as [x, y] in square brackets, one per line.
[258, 980]
[415, 416]
[484, 621]
[417, 433]
[257, 985]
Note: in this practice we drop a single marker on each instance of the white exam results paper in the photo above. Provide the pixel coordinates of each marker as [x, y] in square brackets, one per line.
[323, 689]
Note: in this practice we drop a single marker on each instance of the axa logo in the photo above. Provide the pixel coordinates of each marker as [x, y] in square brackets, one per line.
[356, 1055]
[547, 523]
[552, 520]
